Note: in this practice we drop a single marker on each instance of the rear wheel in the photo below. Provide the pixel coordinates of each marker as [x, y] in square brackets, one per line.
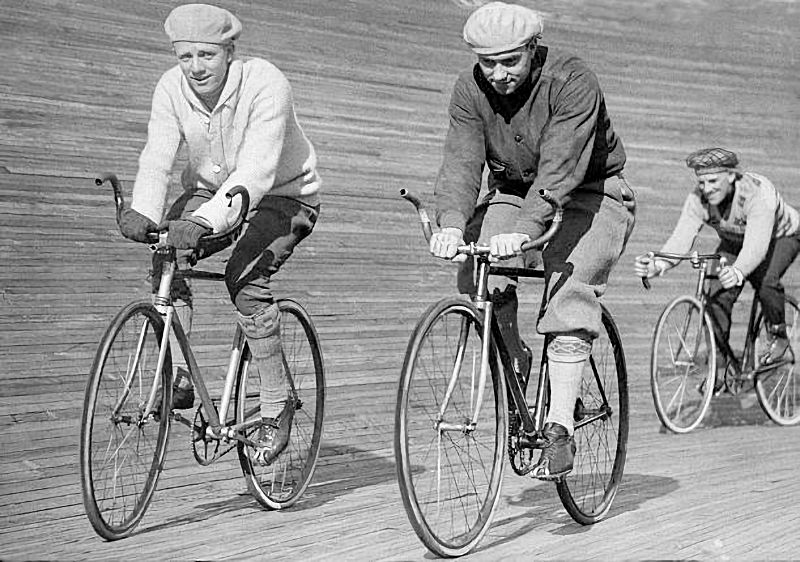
[778, 388]
[123, 440]
[280, 484]
[683, 365]
[601, 430]
[449, 469]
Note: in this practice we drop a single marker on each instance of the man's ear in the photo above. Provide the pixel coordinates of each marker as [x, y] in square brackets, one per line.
[231, 51]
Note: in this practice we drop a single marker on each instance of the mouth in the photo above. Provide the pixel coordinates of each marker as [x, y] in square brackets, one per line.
[200, 81]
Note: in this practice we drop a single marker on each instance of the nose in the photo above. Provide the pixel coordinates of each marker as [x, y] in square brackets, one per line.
[196, 67]
[499, 73]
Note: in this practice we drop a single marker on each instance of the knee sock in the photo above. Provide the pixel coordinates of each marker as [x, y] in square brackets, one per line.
[262, 330]
[566, 357]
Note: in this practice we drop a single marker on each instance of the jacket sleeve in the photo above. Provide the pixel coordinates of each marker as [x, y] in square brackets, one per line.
[566, 148]
[692, 218]
[760, 214]
[258, 155]
[459, 181]
[164, 137]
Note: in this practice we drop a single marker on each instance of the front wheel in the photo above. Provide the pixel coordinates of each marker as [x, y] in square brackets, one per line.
[778, 389]
[448, 468]
[683, 365]
[601, 430]
[280, 484]
[123, 439]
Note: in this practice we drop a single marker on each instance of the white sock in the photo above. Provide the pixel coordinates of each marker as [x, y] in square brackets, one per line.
[566, 357]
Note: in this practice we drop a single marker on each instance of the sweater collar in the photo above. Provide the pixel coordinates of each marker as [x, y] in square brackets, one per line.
[508, 105]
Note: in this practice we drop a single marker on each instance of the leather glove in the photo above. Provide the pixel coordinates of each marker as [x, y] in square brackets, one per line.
[136, 226]
[185, 233]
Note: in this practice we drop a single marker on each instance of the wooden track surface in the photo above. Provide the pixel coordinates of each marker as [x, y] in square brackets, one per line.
[371, 81]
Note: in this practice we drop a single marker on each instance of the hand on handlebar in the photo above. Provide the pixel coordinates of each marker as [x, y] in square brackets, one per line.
[444, 244]
[646, 266]
[504, 246]
[135, 226]
[730, 277]
[185, 233]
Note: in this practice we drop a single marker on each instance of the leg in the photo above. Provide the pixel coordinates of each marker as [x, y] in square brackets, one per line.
[490, 218]
[278, 225]
[766, 280]
[577, 264]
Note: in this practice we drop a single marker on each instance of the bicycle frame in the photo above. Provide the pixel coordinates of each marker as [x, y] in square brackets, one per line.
[217, 428]
[493, 346]
[702, 295]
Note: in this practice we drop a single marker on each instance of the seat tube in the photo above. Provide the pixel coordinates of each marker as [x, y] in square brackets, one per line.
[230, 377]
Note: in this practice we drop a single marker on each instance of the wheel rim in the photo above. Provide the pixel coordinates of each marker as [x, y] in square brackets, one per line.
[778, 389]
[123, 446]
[601, 429]
[280, 484]
[451, 478]
[683, 366]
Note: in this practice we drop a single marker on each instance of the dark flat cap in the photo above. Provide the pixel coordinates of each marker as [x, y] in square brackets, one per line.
[712, 160]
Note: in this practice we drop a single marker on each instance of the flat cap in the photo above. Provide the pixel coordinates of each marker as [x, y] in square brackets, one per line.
[202, 23]
[712, 160]
[498, 27]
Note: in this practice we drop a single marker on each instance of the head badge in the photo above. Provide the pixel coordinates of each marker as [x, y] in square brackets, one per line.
[202, 23]
[498, 27]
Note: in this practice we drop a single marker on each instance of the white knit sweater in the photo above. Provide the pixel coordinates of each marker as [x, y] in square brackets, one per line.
[251, 138]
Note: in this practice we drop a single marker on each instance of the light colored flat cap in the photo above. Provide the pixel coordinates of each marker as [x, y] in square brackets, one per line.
[498, 27]
[712, 161]
[202, 23]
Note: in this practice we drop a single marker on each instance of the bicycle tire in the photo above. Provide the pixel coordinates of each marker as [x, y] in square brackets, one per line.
[425, 454]
[682, 382]
[123, 444]
[778, 389]
[280, 484]
[601, 430]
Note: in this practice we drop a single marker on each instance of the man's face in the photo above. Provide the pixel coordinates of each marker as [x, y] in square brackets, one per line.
[507, 71]
[205, 65]
[716, 187]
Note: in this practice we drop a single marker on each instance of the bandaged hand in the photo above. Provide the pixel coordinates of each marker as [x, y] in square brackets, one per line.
[647, 266]
[730, 276]
[504, 246]
[444, 244]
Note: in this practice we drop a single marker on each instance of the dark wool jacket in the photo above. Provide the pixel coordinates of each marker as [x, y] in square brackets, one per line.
[553, 132]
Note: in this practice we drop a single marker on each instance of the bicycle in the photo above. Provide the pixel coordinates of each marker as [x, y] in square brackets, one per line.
[461, 408]
[123, 434]
[683, 365]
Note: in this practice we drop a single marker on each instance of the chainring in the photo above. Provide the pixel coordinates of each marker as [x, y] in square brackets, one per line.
[205, 449]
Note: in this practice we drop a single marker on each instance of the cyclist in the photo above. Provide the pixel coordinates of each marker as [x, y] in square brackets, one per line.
[235, 115]
[537, 119]
[759, 237]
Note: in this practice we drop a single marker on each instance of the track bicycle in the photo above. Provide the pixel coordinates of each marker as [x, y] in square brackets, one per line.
[687, 345]
[461, 409]
[124, 434]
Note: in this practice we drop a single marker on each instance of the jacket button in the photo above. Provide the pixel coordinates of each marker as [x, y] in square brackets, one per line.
[216, 169]
[518, 138]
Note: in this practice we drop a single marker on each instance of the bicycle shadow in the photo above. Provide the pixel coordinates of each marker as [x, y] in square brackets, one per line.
[340, 470]
[741, 409]
[544, 507]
